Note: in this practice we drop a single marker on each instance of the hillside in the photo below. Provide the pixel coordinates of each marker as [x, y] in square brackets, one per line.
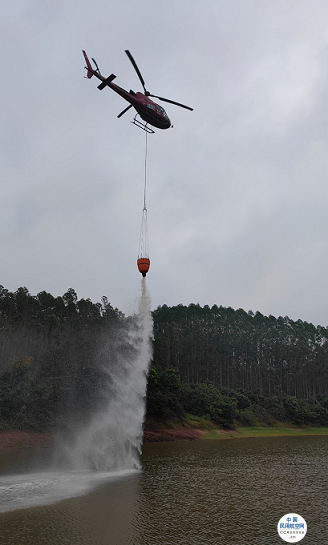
[227, 364]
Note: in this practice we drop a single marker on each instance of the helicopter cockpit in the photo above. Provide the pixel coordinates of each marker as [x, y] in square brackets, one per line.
[163, 112]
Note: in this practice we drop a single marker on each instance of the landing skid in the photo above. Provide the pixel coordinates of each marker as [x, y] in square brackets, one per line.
[141, 125]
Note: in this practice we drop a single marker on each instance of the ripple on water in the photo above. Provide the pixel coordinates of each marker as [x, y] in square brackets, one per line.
[204, 493]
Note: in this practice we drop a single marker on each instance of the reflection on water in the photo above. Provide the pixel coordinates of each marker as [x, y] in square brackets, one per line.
[204, 493]
[28, 490]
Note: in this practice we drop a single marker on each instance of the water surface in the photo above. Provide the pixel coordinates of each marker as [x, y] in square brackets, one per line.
[202, 492]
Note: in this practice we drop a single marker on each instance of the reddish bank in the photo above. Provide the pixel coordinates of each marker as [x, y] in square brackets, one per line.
[23, 439]
[172, 435]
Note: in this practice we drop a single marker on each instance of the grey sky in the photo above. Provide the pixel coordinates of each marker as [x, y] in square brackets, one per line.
[237, 190]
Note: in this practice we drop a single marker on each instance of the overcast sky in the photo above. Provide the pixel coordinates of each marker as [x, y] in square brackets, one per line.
[237, 190]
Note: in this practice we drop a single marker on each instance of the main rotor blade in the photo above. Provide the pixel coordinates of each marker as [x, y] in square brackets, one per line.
[126, 109]
[136, 69]
[172, 102]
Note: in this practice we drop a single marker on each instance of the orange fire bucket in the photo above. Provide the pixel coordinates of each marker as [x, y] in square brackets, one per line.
[143, 265]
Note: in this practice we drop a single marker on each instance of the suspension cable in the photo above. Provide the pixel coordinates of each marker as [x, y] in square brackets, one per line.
[143, 241]
[146, 151]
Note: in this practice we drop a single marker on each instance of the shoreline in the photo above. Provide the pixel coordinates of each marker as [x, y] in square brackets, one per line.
[191, 434]
[11, 439]
[24, 439]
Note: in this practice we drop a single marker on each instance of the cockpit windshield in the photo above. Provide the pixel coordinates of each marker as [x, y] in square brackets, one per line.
[163, 112]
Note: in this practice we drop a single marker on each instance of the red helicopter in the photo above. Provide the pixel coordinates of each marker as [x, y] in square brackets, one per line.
[148, 110]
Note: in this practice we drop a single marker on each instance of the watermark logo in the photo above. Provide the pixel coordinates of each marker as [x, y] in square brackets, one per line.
[292, 528]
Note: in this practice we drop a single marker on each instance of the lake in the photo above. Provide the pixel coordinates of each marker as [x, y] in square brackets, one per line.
[202, 492]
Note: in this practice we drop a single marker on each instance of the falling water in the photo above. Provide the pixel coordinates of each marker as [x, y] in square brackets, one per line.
[112, 440]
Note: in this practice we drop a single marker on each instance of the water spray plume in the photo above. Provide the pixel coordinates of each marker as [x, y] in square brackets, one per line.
[112, 440]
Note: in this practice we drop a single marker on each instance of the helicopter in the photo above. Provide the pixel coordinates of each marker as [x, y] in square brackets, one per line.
[149, 111]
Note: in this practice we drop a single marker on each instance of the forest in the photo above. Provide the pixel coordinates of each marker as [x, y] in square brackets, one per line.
[232, 366]
[238, 349]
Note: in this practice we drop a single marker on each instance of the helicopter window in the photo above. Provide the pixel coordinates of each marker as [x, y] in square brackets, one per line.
[151, 106]
[163, 112]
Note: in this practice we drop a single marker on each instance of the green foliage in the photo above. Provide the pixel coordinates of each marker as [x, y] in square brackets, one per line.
[247, 418]
[206, 399]
[198, 398]
[214, 363]
[275, 407]
[17, 397]
[250, 352]
[168, 397]
[163, 394]
[63, 377]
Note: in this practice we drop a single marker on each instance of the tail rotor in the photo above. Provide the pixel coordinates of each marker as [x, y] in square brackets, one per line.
[88, 66]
